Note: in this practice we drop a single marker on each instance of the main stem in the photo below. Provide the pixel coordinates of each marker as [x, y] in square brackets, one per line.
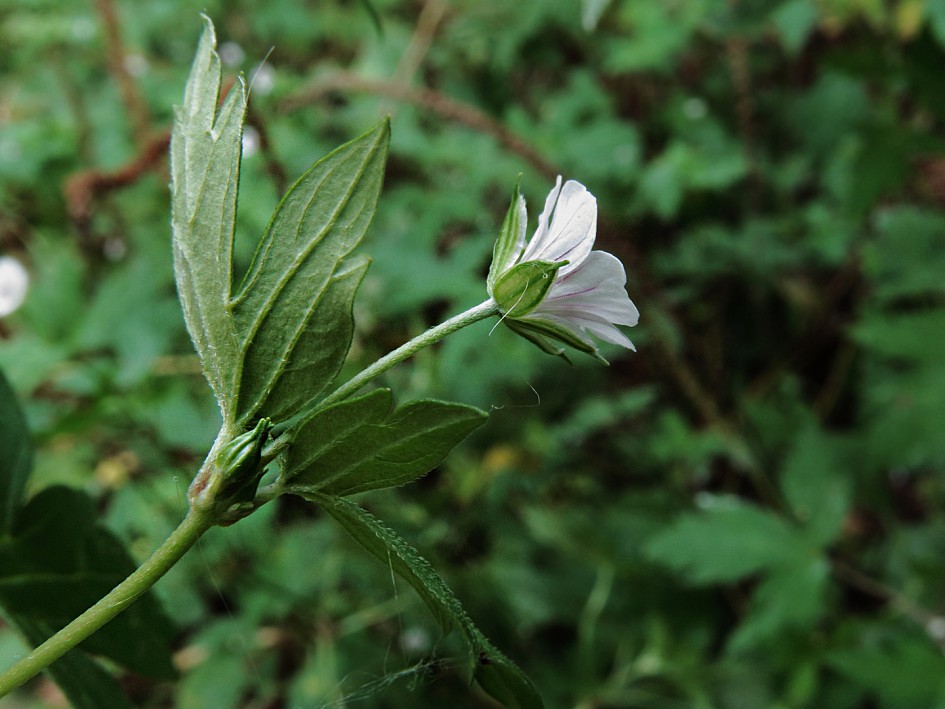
[123, 595]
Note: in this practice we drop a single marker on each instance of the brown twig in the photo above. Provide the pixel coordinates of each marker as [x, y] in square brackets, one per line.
[737, 51]
[423, 34]
[447, 107]
[932, 623]
[131, 96]
[81, 188]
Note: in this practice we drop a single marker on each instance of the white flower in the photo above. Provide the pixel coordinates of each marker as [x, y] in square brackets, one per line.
[14, 281]
[554, 286]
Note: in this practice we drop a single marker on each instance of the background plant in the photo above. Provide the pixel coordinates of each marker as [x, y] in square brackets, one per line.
[771, 175]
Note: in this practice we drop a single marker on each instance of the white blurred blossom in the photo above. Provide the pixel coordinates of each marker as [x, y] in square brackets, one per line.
[14, 282]
[250, 141]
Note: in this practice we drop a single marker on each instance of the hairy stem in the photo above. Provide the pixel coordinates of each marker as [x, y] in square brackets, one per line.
[123, 595]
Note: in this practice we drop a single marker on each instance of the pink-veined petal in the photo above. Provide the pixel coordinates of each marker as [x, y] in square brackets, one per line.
[594, 290]
[572, 229]
[580, 327]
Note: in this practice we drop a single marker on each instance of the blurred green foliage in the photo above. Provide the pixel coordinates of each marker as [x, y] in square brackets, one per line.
[750, 512]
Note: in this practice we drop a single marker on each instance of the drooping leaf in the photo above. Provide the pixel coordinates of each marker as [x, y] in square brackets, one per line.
[206, 147]
[86, 684]
[16, 454]
[728, 540]
[494, 672]
[357, 445]
[58, 562]
[317, 224]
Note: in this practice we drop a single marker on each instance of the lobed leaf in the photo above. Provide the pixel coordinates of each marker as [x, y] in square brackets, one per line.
[206, 147]
[728, 540]
[496, 674]
[297, 280]
[358, 445]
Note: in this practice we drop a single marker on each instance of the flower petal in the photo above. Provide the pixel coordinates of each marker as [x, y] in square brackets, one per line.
[567, 227]
[594, 291]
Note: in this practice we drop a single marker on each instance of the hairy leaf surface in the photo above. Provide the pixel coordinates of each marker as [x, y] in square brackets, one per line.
[296, 282]
[206, 148]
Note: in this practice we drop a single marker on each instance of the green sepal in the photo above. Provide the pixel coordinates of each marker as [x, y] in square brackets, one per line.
[536, 330]
[523, 287]
[540, 341]
[498, 676]
[239, 459]
[233, 473]
[508, 247]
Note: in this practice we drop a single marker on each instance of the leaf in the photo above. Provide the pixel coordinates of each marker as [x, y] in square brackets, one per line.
[812, 483]
[792, 596]
[917, 336]
[206, 147]
[323, 345]
[794, 21]
[726, 541]
[906, 259]
[58, 563]
[496, 674]
[86, 684]
[319, 221]
[16, 454]
[357, 445]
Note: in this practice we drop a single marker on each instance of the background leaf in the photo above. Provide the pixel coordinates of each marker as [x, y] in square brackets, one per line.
[727, 540]
[16, 452]
[58, 562]
[817, 494]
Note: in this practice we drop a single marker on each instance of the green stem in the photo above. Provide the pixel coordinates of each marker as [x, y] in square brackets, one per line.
[406, 350]
[123, 595]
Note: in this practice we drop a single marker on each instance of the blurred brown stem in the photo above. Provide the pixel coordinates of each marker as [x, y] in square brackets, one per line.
[131, 96]
[447, 107]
